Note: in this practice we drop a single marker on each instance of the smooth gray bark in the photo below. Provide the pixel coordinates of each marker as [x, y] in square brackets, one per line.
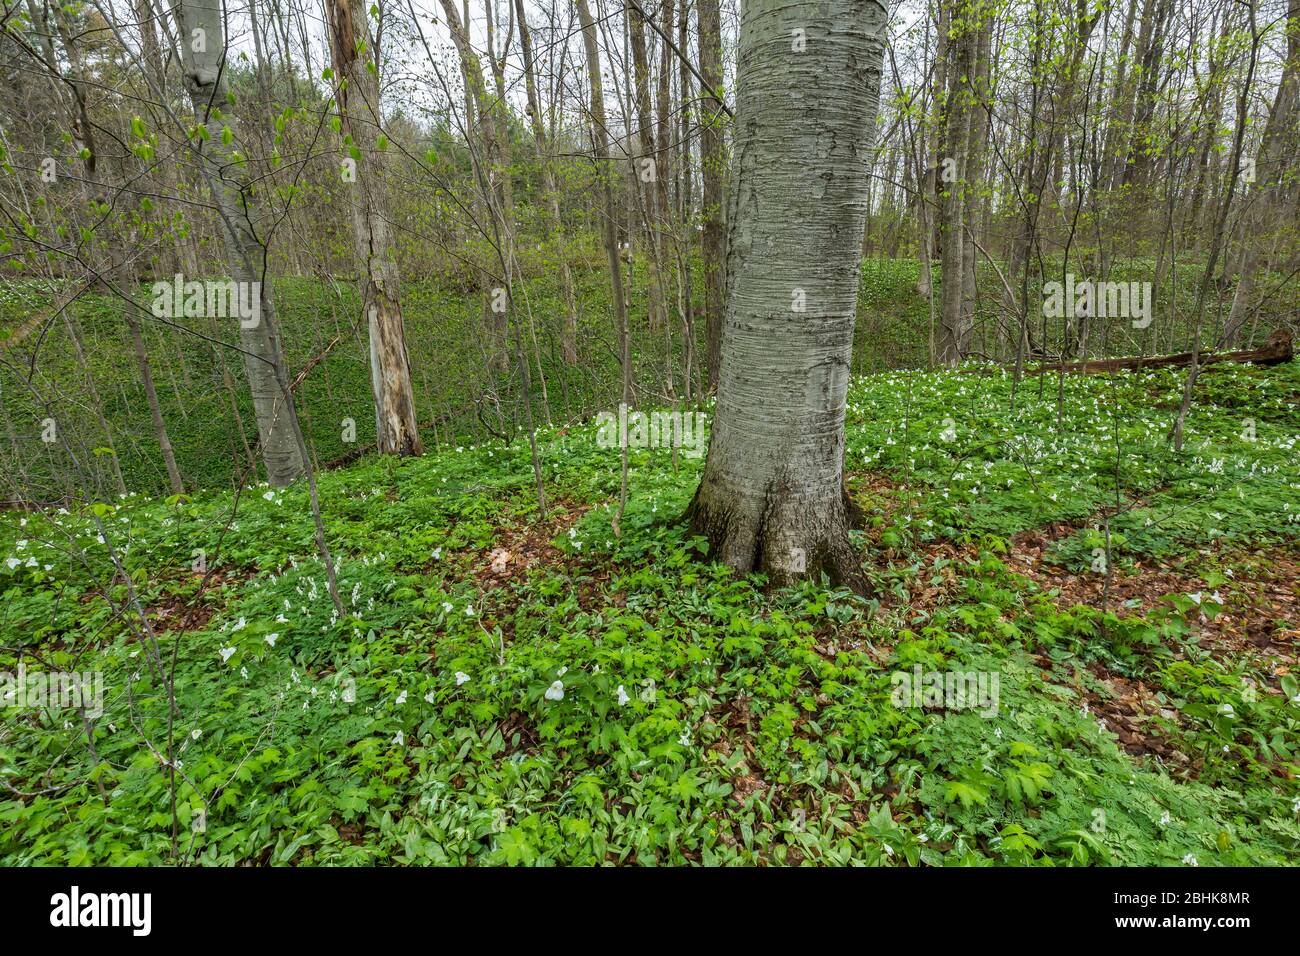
[808, 83]
[203, 53]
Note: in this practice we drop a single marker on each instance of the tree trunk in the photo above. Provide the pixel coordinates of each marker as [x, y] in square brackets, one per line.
[492, 169]
[930, 189]
[396, 429]
[973, 183]
[713, 160]
[225, 173]
[151, 395]
[1262, 213]
[646, 167]
[952, 334]
[569, 332]
[772, 497]
[600, 141]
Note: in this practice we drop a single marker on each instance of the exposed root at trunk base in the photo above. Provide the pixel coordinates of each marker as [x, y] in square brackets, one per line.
[787, 537]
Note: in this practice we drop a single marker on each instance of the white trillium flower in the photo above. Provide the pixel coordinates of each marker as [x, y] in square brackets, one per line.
[401, 698]
[399, 738]
[461, 677]
[555, 691]
[622, 696]
[272, 638]
[227, 653]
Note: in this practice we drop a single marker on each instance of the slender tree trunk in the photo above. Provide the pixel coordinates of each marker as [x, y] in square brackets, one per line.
[600, 140]
[96, 403]
[973, 183]
[397, 431]
[493, 167]
[1263, 211]
[930, 184]
[259, 336]
[151, 396]
[713, 160]
[952, 335]
[569, 333]
[644, 174]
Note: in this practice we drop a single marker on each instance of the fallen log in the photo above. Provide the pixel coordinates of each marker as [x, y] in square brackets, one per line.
[1276, 351]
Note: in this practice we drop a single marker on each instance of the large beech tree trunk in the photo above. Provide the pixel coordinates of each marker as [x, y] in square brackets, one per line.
[396, 429]
[808, 82]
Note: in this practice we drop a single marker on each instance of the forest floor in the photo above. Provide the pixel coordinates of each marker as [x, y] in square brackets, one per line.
[503, 688]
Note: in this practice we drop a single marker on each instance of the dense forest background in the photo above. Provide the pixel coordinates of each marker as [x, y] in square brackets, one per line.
[1149, 142]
